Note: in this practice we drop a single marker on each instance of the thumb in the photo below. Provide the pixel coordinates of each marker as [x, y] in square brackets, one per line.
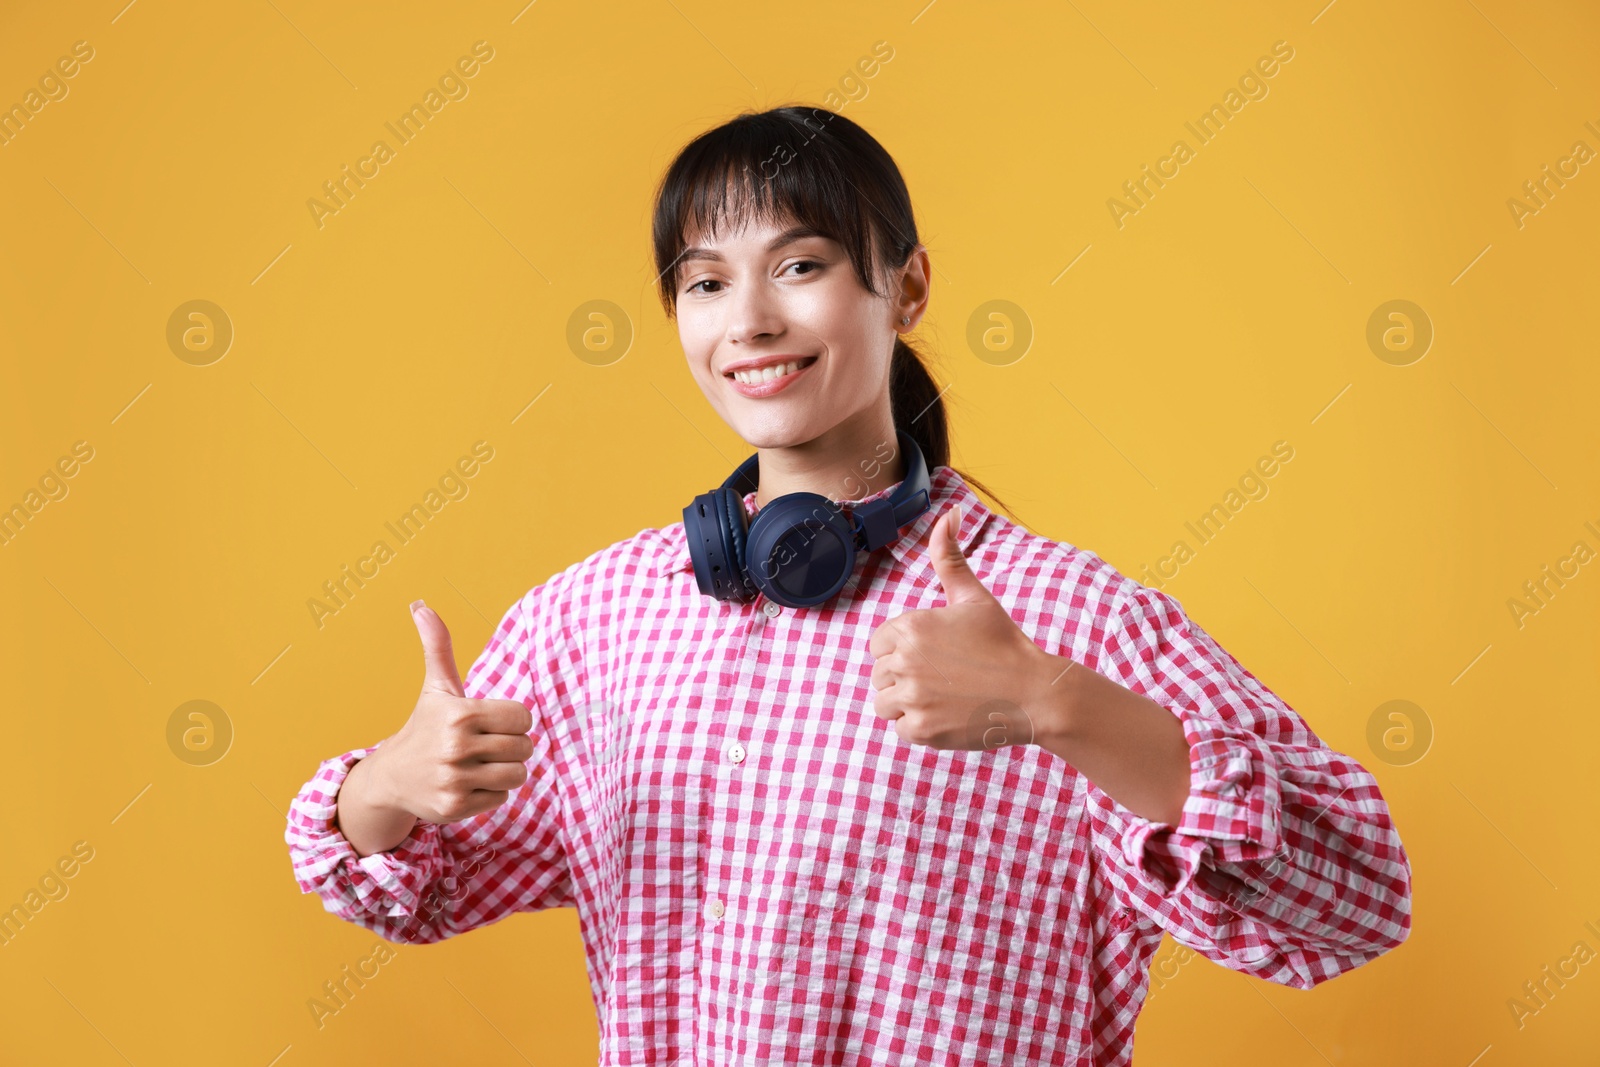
[960, 585]
[438, 656]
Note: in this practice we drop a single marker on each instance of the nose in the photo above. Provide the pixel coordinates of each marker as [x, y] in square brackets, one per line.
[752, 316]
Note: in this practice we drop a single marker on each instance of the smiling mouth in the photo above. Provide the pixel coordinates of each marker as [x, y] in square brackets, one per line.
[770, 374]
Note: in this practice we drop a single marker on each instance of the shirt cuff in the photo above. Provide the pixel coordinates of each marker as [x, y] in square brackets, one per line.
[325, 863]
[1230, 815]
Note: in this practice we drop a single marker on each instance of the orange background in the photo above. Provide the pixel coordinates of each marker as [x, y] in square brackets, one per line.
[1164, 357]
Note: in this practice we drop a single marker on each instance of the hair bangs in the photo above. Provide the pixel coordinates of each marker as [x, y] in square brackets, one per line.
[782, 167]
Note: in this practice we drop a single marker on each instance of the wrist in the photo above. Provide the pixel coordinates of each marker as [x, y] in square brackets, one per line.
[1132, 748]
[1051, 700]
[367, 785]
[369, 822]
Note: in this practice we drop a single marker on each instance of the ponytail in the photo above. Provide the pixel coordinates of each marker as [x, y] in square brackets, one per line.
[917, 404]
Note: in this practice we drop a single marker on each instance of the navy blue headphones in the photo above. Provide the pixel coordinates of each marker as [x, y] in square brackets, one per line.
[800, 549]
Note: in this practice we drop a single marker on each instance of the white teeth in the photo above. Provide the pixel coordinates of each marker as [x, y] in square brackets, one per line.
[765, 374]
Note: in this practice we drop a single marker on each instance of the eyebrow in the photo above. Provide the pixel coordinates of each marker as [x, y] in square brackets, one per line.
[789, 236]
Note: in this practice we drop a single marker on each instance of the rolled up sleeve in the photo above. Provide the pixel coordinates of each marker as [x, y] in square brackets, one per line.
[1284, 862]
[353, 887]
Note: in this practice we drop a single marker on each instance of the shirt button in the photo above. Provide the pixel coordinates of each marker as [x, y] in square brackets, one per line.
[736, 753]
[771, 609]
[714, 909]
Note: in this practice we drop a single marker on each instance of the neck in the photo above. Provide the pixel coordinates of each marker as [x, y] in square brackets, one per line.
[846, 463]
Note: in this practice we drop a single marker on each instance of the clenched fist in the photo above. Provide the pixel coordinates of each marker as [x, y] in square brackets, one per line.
[455, 757]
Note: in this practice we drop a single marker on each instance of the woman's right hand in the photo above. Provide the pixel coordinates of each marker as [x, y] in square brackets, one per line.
[455, 757]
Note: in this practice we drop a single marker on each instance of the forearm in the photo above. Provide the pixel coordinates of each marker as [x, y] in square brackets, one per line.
[366, 822]
[1129, 746]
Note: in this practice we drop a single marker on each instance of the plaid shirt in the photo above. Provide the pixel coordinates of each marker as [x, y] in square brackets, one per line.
[764, 872]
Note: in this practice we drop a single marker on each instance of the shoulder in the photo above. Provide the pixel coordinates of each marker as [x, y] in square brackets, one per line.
[1069, 595]
[622, 569]
[1015, 555]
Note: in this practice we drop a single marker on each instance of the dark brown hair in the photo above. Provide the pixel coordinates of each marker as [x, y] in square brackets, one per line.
[816, 168]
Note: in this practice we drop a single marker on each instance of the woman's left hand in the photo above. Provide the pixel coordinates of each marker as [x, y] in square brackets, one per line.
[964, 676]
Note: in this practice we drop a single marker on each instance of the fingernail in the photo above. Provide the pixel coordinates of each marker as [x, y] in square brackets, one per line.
[415, 604]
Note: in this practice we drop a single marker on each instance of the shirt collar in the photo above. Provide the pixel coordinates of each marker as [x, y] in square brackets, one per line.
[945, 489]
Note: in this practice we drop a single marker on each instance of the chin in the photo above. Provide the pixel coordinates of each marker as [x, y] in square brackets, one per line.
[768, 433]
[772, 440]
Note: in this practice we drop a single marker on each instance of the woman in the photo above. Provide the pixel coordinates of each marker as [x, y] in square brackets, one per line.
[936, 793]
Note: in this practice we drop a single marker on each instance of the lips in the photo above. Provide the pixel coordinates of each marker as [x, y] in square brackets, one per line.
[760, 390]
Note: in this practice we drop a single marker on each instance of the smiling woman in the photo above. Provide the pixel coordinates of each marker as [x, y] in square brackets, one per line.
[793, 288]
[808, 775]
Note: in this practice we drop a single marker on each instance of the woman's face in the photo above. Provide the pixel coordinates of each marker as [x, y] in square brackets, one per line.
[770, 294]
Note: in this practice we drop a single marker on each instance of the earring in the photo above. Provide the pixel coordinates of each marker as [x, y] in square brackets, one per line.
[905, 320]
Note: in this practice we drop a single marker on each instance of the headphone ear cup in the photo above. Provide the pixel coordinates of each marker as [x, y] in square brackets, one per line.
[735, 526]
[803, 550]
[714, 527]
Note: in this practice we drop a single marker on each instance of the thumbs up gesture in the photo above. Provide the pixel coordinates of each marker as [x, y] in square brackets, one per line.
[961, 676]
[455, 757]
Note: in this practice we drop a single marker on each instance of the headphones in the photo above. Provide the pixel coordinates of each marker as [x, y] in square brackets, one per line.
[800, 549]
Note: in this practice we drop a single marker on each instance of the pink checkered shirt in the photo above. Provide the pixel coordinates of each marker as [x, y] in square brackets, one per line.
[764, 872]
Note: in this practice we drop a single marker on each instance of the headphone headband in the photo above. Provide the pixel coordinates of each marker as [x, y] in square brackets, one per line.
[879, 521]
